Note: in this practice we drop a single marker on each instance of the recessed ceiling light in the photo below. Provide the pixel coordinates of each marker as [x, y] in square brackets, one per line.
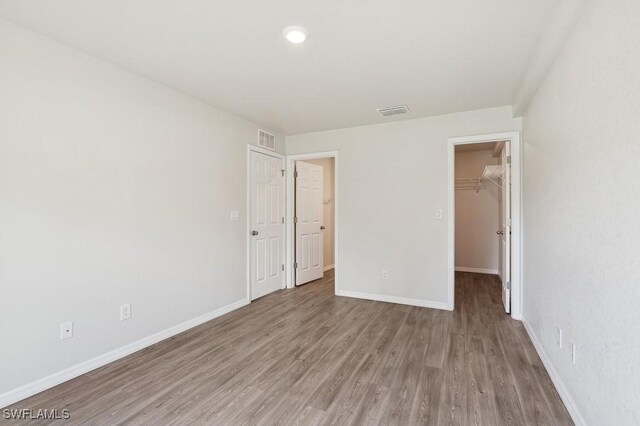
[295, 34]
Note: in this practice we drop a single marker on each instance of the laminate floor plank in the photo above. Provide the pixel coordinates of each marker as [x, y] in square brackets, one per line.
[306, 357]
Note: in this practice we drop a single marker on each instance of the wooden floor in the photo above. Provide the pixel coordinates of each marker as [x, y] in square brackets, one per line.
[304, 356]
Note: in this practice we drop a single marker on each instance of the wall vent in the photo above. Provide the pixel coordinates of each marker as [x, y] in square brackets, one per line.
[395, 110]
[266, 140]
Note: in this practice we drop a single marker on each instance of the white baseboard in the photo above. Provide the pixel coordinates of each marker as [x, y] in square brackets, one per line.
[55, 379]
[394, 299]
[555, 377]
[328, 267]
[477, 270]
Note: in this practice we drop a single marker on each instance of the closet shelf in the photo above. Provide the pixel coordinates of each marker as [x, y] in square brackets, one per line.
[469, 184]
[493, 174]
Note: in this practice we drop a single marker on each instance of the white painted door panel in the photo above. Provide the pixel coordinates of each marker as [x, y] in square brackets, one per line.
[505, 237]
[309, 222]
[267, 225]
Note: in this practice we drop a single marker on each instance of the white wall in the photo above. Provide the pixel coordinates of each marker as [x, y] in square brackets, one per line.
[581, 204]
[391, 178]
[477, 215]
[113, 189]
[328, 208]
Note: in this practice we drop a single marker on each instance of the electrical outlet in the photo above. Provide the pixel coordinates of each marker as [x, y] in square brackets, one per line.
[125, 311]
[438, 214]
[66, 330]
[559, 337]
[573, 353]
[384, 275]
[235, 215]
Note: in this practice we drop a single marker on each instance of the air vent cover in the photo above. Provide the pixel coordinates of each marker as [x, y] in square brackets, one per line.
[395, 110]
[266, 140]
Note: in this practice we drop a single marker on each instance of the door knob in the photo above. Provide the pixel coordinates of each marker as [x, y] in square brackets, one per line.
[500, 232]
[322, 228]
[254, 233]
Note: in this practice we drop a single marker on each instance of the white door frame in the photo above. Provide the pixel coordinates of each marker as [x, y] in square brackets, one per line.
[289, 213]
[516, 214]
[250, 149]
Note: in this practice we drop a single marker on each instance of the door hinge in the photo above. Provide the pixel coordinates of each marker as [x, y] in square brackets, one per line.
[508, 159]
[283, 220]
[509, 222]
[295, 220]
[282, 170]
[295, 174]
[283, 266]
[295, 265]
[508, 285]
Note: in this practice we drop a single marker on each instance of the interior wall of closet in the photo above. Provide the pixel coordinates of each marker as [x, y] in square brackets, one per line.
[477, 205]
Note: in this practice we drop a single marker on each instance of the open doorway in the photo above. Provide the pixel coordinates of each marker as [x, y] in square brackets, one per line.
[311, 218]
[477, 215]
[484, 222]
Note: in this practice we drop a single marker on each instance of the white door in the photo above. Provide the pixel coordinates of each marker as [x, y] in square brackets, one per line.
[308, 222]
[267, 223]
[505, 231]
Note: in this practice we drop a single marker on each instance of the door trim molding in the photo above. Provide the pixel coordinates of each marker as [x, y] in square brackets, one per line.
[250, 149]
[516, 214]
[290, 197]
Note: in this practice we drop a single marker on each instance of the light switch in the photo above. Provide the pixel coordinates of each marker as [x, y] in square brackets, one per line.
[235, 215]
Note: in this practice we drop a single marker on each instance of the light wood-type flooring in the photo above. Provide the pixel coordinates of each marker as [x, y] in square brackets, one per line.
[305, 356]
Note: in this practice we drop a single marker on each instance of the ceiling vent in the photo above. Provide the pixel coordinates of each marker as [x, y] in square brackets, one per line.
[386, 112]
[266, 140]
